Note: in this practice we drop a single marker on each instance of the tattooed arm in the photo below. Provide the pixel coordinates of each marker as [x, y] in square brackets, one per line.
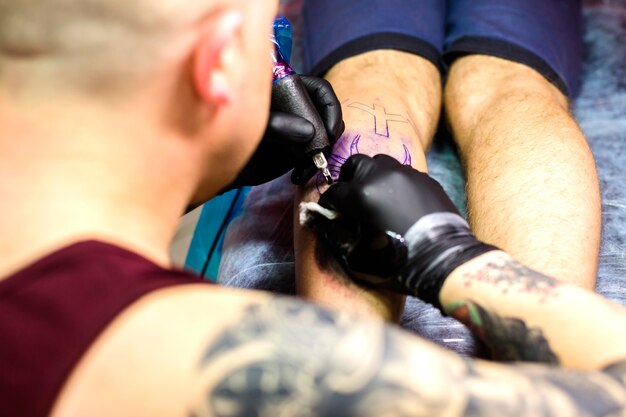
[385, 112]
[523, 315]
[287, 358]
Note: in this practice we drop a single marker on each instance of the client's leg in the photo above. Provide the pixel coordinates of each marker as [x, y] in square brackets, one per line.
[532, 186]
[391, 103]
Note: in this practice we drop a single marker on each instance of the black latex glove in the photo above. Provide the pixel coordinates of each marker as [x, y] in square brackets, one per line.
[397, 228]
[286, 136]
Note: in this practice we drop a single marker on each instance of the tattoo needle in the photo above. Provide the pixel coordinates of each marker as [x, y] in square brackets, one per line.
[322, 164]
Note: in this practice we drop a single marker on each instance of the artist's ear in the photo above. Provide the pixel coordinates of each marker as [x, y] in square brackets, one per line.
[214, 55]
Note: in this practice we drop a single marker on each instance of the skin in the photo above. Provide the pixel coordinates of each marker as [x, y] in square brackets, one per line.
[544, 207]
[518, 288]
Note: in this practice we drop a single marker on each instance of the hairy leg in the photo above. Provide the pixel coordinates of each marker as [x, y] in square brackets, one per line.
[391, 102]
[532, 186]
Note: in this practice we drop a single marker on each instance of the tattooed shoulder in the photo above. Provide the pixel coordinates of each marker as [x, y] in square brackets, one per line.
[288, 358]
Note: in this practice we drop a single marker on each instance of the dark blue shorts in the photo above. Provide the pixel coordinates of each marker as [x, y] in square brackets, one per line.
[546, 35]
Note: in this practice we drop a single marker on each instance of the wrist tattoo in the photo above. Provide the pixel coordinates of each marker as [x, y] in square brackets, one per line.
[511, 276]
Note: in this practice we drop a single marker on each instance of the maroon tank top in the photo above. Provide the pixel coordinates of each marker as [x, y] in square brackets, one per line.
[51, 312]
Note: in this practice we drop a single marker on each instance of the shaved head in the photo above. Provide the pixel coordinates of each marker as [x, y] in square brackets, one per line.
[41, 26]
[91, 41]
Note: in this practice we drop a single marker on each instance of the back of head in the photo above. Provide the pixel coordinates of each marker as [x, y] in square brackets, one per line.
[93, 44]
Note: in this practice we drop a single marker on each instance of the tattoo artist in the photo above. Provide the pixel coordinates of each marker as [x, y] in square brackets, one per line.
[114, 116]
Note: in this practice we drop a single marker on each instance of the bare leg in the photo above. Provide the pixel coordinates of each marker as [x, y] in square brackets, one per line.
[532, 186]
[391, 102]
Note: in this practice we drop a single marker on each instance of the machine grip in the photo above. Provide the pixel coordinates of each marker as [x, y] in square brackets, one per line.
[289, 95]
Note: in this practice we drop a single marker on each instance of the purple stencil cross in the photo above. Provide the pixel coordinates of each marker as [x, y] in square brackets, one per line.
[381, 117]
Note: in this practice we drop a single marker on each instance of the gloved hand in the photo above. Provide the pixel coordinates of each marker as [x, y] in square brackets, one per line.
[396, 227]
[286, 136]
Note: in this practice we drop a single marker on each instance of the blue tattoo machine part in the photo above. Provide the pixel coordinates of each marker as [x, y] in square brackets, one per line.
[289, 95]
[283, 34]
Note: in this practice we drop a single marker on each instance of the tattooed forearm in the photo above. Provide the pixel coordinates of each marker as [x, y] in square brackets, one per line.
[507, 339]
[511, 276]
[286, 358]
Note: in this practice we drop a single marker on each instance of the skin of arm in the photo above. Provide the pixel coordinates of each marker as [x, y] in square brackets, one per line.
[390, 101]
[522, 315]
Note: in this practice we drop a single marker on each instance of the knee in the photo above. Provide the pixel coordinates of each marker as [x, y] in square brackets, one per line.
[478, 84]
[409, 84]
[401, 68]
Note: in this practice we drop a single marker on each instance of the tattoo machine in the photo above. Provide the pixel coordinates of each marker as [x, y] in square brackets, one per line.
[289, 95]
